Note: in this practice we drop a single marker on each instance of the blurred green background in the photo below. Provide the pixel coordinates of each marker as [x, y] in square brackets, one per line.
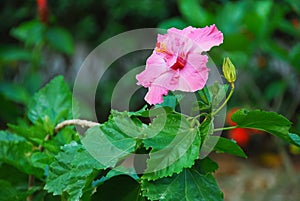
[261, 38]
[39, 41]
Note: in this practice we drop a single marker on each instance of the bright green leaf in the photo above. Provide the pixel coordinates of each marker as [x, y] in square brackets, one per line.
[113, 140]
[270, 122]
[225, 145]
[52, 103]
[189, 185]
[174, 144]
[16, 151]
[72, 171]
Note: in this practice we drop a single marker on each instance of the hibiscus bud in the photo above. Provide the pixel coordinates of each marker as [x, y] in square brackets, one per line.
[229, 70]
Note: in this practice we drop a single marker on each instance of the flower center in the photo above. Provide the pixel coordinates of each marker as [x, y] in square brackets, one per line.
[179, 64]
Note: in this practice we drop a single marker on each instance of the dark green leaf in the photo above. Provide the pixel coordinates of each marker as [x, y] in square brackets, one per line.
[72, 171]
[207, 127]
[225, 145]
[60, 39]
[174, 144]
[13, 54]
[270, 122]
[188, 185]
[10, 193]
[206, 165]
[119, 188]
[51, 104]
[14, 92]
[205, 99]
[173, 22]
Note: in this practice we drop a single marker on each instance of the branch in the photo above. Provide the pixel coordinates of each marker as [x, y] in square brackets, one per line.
[82, 123]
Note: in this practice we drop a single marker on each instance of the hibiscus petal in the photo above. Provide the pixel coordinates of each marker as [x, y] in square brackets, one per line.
[155, 94]
[206, 37]
[155, 66]
[194, 75]
[168, 80]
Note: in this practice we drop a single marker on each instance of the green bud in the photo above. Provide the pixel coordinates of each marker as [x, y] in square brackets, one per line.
[229, 70]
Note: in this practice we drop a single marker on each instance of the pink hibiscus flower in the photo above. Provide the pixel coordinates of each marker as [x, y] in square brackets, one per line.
[177, 62]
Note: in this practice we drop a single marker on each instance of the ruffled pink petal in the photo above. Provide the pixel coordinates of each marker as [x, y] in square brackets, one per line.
[177, 43]
[194, 75]
[168, 80]
[155, 94]
[155, 66]
[206, 37]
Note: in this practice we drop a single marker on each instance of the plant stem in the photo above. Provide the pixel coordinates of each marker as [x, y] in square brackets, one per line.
[80, 122]
[31, 180]
[225, 128]
[225, 102]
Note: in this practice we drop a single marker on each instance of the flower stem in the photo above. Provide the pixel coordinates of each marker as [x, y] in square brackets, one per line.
[225, 102]
[225, 128]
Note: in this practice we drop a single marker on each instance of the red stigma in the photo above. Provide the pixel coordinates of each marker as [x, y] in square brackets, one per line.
[179, 64]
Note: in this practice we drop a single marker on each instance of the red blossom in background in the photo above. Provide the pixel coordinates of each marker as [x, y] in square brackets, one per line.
[240, 135]
[42, 10]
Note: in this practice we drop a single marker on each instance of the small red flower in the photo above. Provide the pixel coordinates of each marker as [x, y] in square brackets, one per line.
[229, 115]
[240, 135]
[42, 10]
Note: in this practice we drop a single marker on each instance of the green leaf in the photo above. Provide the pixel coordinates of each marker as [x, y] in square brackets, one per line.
[270, 122]
[295, 138]
[188, 185]
[217, 93]
[174, 144]
[41, 159]
[205, 99]
[206, 165]
[225, 145]
[33, 133]
[113, 140]
[60, 39]
[16, 151]
[30, 32]
[126, 187]
[52, 104]
[72, 171]
[171, 101]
